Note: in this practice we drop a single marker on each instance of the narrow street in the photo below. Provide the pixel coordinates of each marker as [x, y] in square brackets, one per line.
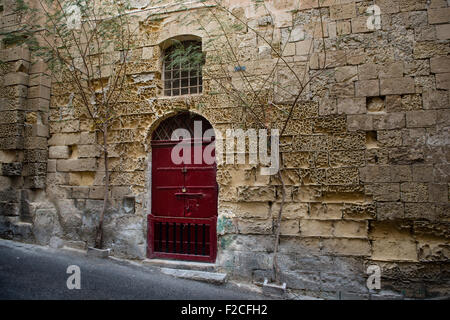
[35, 272]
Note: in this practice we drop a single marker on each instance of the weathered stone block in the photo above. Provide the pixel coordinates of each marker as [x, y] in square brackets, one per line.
[389, 121]
[292, 210]
[422, 173]
[440, 64]
[11, 143]
[87, 138]
[39, 92]
[326, 211]
[308, 4]
[419, 210]
[64, 139]
[39, 130]
[401, 173]
[88, 151]
[316, 228]
[411, 102]
[255, 226]
[347, 158]
[39, 67]
[384, 191]
[342, 11]
[11, 130]
[406, 155]
[97, 193]
[346, 73]
[36, 143]
[389, 138]
[359, 122]
[9, 209]
[367, 88]
[38, 104]
[9, 117]
[51, 165]
[34, 169]
[443, 81]
[390, 243]
[393, 103]
[392, 70]
[247, 193]
[346, 247]
[351, 105]
[440, 15]
[76, 165]
[414, 192]
[359, 25]
[353, 211]
[342, 176]
[443, 31]
[438, 192]
[12, 169]
[368, 71]
[58, 152]
[290, 227]
[385, 249]
[35, 182]
[245, 243]
[16, 53]
[433, 249]
[350, 229]
[248, 210]
[304, 47]
[40, 79]
[415, 119]
[390, 211]
[15, 78]
[348, 141]
[414, 137]
[403, 85]
[375, 174]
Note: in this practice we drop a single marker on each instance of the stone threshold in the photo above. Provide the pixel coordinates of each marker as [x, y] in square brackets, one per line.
[198, 271]
[204, 276]
[180, 264]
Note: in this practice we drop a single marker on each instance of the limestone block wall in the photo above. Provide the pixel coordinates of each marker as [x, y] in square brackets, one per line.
[367, 160]
[24, 106]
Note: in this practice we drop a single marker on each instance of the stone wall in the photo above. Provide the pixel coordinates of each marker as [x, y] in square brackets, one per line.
[24, 108]
[367, 169]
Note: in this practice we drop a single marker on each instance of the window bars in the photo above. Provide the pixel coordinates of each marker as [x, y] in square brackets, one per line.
[183, 69]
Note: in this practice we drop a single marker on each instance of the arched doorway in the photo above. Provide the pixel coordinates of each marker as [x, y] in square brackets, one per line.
[183, 217]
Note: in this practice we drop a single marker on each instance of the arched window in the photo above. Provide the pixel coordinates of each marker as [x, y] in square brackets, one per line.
[184, 120]
[183, 68]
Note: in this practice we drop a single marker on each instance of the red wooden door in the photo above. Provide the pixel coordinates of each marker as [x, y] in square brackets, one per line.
[182, 223]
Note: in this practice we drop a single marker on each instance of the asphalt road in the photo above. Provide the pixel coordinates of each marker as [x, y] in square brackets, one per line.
[34, 272]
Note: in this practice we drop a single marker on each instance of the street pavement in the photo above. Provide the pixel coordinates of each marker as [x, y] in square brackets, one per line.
[36, 272]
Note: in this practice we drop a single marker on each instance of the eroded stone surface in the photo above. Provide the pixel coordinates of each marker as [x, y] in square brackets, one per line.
[367, 155]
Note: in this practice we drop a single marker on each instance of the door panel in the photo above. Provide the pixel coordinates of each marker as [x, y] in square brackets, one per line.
[182, 224]
[167, 180]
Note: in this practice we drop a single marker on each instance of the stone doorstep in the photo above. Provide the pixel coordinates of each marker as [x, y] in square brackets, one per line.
[210, 277]
[185, 265]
